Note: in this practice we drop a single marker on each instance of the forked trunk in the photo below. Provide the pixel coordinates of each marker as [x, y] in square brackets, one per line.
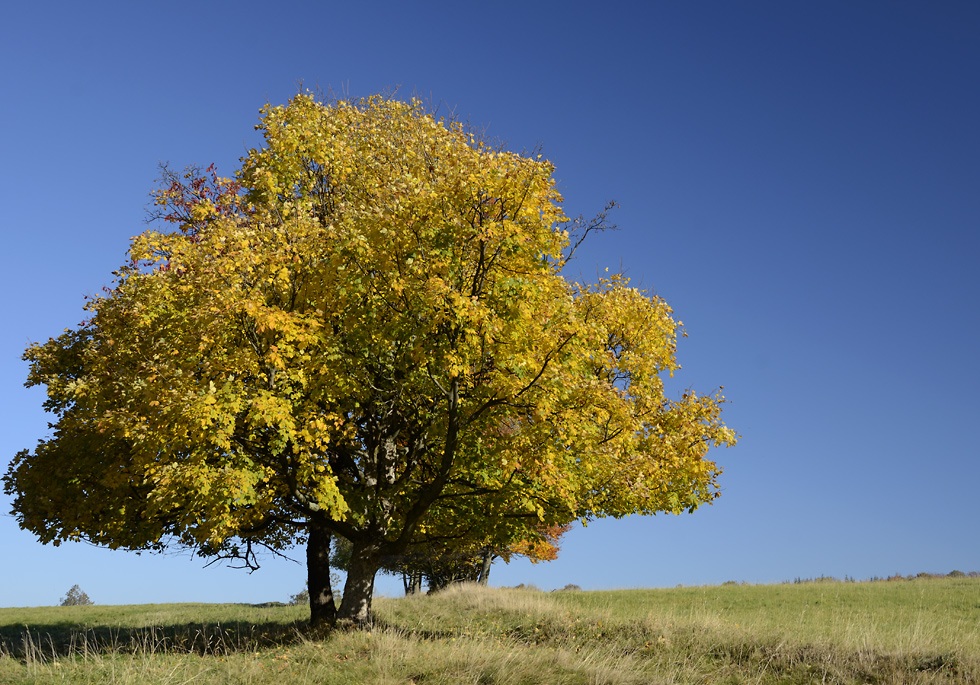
[323, 608]
[355, 607]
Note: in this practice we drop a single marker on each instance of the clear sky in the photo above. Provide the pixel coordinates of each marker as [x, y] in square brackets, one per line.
[800, 181]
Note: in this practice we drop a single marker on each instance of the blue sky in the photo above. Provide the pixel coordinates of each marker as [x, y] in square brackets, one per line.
[800, 181]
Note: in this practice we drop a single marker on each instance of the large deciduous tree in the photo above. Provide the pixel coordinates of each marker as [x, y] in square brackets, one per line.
[367, 334]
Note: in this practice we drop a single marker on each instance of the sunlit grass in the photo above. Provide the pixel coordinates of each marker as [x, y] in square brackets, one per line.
[911, 632]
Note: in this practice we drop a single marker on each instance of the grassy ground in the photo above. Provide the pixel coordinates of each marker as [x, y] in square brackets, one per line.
[905, 632]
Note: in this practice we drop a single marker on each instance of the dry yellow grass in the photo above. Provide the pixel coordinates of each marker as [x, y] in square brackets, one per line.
[917, 632]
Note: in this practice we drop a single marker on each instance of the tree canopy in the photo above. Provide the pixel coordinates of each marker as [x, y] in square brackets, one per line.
[367, 334]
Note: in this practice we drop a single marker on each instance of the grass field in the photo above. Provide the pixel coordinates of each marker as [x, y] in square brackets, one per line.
[924, 631]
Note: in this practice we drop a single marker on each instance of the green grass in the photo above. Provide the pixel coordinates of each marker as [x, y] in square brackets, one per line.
[911, 632]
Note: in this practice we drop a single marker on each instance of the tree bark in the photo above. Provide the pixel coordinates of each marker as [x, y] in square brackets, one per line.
[355, 608]
[323, 608]
[485, 569]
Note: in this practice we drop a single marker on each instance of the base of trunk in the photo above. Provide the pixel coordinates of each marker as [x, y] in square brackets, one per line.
[355, 608]
[323, 608]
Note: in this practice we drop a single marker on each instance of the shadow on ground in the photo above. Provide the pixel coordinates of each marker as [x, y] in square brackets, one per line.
[67, 638]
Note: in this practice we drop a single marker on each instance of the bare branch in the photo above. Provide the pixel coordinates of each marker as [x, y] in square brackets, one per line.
[582, 230]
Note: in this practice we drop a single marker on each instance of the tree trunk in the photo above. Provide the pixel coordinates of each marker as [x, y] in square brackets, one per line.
[355, 607]
[412, 580]
[323, 609]
[485, 569]
[416, 583]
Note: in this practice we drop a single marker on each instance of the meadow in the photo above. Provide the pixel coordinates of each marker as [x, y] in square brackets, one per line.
[919, 631]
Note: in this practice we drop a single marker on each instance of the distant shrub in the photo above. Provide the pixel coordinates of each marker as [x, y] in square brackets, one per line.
[76, 598]
[732, 582]
[529, 587]
[877, 579]
[818, 579]
[301, 597]
[571, 587]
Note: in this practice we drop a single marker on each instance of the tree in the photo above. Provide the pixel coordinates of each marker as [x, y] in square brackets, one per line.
[367, 334]
[75, 597]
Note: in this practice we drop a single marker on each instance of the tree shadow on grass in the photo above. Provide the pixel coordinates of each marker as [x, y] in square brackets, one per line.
[63, 639]
[49, 640]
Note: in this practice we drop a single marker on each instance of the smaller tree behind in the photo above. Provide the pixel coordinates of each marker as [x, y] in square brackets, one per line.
[76, 598]
[441, 564]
